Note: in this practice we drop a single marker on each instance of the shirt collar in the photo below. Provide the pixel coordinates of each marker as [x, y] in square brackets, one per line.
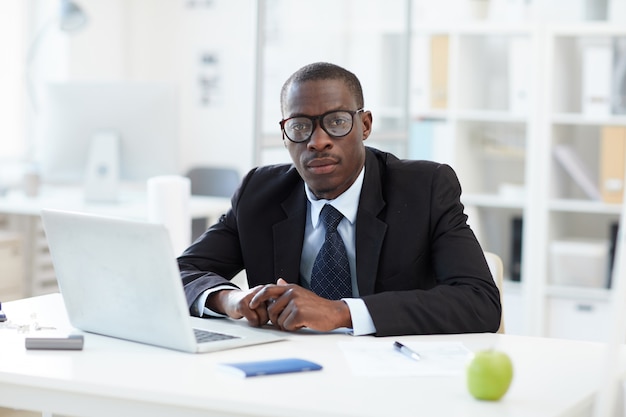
[347, 203]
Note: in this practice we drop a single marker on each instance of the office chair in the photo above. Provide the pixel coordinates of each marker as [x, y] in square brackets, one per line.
[211, 181]
[497, 271]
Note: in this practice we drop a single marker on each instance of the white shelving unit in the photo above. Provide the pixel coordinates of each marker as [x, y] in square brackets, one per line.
[575, 311]
[290, 37]
[489, 87]
[489, 133]
[10, 266]
[29, 270]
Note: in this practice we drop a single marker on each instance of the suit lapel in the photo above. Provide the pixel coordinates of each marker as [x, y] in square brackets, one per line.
[370, 231]
[289, 237]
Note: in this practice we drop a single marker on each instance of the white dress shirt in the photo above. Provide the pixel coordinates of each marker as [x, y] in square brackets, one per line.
[314, 235]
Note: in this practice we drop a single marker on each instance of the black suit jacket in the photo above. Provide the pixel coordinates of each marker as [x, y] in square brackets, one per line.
[420, 269]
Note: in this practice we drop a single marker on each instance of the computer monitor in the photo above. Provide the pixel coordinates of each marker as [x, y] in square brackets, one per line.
[144, 116]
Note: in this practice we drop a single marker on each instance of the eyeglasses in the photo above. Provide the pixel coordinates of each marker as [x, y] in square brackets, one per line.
[336, 123]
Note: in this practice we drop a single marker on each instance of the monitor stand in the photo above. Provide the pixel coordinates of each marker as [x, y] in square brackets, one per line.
[102, 176]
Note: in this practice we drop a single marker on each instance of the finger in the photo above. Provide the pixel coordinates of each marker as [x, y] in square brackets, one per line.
[276, 306]
[269, 292]
[288, 318]
[281, 282]
[262, 317]
[256, 317]
[252, 317]
[290, 322]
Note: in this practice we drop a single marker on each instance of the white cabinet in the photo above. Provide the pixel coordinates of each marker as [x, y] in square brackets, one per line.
[513, 309]
[494, 93]
[581, 319]
[11, 277]
[24, 256]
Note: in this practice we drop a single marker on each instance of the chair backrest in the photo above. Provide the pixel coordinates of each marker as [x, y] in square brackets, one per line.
[213, 181]
[497, 271]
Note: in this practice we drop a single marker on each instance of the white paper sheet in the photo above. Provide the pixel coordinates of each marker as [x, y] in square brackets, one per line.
[379, 358]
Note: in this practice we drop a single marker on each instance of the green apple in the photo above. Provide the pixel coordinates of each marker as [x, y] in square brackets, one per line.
[489, 374]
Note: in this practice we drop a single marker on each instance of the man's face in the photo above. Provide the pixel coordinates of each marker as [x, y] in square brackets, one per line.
[328, 165]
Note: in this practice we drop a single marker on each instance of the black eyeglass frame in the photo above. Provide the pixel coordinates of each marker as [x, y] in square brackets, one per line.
[317, 120]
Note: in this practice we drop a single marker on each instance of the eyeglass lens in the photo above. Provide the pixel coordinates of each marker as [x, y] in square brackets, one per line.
[337, 124]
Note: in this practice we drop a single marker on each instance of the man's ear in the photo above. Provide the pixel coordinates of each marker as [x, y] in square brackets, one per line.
[366, 119]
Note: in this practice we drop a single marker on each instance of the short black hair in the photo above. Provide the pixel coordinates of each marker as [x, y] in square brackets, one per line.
[324, 71]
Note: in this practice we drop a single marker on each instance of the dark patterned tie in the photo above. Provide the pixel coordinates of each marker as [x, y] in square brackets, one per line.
[330, 277]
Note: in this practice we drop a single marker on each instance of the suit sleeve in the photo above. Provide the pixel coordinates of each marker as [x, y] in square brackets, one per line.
[215, 257]
[463, 297]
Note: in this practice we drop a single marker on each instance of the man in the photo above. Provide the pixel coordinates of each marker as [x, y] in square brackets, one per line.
[415, 266]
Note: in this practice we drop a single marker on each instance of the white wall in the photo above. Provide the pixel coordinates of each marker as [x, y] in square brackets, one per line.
[164, 41]
[12, 56]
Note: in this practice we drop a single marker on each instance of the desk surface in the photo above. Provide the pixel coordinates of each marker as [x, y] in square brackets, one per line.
[132, 203]
[113, 377]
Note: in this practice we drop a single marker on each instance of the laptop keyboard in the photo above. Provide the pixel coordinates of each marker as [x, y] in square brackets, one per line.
[203, 336]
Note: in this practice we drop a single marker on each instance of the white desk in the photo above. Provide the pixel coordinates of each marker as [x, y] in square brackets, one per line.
[132, 203]
[117, 378]
[24, 217]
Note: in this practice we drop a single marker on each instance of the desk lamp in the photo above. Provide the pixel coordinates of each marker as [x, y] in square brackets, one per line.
[70, 18]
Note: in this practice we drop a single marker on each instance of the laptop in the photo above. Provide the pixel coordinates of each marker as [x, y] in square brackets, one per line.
[120, 278]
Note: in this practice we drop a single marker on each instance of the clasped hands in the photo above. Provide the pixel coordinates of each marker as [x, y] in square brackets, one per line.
[287, 306]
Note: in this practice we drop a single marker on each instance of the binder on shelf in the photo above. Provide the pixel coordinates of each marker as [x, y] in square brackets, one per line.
[613, 233]
[597, 68]
[431, 139]
[439, 49]
[612, 163]
[579, 262]
[616, 11]
[619, 75]
[572, 164]
[517, 224]
[519, 75]
[420, 75]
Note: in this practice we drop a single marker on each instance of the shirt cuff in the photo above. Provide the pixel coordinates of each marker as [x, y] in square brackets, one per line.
[201, 301]
[362, 323]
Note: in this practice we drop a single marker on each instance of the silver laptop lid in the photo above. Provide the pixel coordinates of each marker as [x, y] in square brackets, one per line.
[116, 278]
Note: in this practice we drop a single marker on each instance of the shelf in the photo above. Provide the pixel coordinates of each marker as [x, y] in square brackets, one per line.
[588, 29]
[499, 116]
[581, 119]
[430, 115]
[478, 27]
[492, 200]
[394, 112]
[512, 287]
[578, 293]
[584, 206]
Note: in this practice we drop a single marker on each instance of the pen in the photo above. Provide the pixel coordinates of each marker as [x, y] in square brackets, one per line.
[406, 351]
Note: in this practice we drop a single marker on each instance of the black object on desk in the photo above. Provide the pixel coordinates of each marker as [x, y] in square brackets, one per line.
[3, 316]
